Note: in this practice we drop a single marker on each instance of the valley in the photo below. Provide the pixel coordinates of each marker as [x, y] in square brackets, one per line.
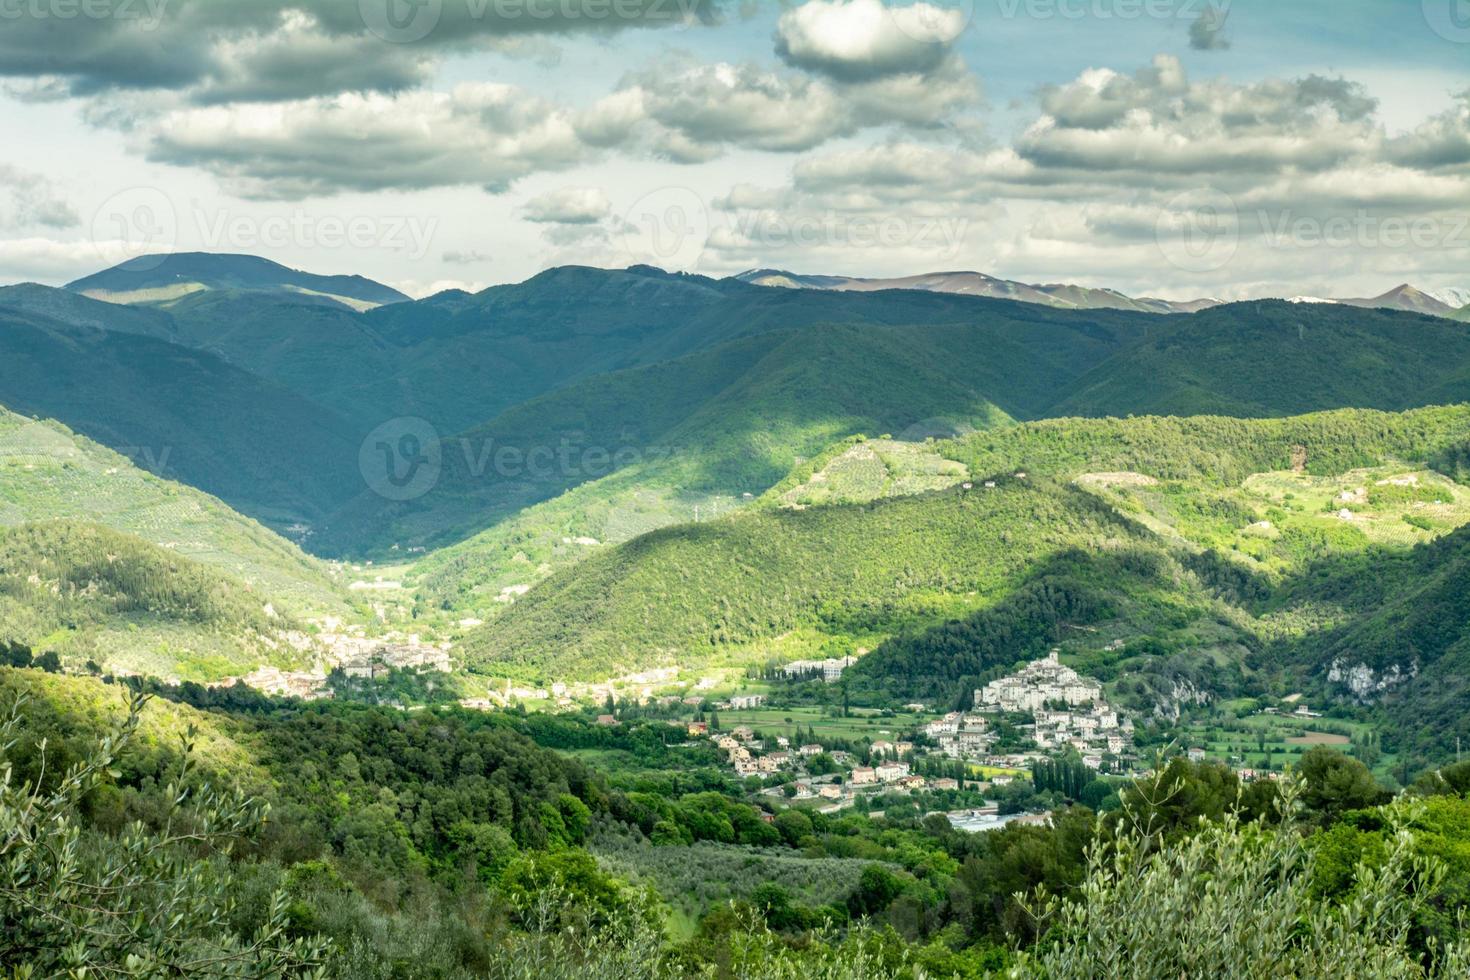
[844, 585]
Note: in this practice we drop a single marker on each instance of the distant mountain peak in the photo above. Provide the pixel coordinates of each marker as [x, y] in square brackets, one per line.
[162, 279]
[1408, 298]
[970, 283]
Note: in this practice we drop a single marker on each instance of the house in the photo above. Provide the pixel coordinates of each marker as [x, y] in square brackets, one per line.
[881, 747]
[606, 720]
[864, 775]
[743, 733]
[1196, 755]
[809, 751]
[945, 782]
[830, 792]
[745, 767]
[698, 728]
[947, 725]
[889, 772]
[744, 702]
[912, 782]
[780, 759]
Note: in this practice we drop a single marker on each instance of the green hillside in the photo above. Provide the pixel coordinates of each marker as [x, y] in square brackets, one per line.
[1278, 358]
[48, 472]
[1193, 531]
[181, 412]
[817, 385]
[91, 594]
[742, 417]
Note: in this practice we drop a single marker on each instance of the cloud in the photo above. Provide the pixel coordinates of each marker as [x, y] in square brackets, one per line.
[33, 203]
[1441, 143]
[481, 134]
[298, 60]
[862, 40]
[468, 257]
[699, 109]
[1115, 171]
[569, 206]
[1207, 31]
[268, 48]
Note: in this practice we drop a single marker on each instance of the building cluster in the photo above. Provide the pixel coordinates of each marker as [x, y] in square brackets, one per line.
[752, 756]
[830, 670]
[1068, 711]
[1038, 684]
[369, 659]
[962, 735]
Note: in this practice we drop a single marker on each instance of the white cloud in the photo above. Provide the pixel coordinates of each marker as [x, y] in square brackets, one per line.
[569, 206]
[482, 134]
[860, 40]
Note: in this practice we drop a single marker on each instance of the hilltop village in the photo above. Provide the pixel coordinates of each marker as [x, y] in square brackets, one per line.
[1042, 710]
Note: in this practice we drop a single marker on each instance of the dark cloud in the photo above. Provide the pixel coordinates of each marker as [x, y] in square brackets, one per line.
[262, 49]
[1207, 32]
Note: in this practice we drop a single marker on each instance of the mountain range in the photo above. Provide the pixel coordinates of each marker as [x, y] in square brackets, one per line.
[638, 468]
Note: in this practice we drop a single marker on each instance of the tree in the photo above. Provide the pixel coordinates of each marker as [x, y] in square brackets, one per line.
[76, 902]
[1335, 783]
[1235, 901]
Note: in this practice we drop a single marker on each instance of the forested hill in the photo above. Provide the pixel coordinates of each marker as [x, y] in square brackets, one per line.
[1278, 358]
[49, 473]
[188, 415]
[1208, 534]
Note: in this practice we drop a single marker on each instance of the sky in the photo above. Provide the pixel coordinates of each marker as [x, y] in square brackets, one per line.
[1175, 148]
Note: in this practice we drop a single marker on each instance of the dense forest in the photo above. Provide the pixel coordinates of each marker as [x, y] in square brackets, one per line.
[148, 836]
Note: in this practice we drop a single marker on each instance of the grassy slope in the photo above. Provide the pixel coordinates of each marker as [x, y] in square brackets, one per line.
[733, 587]
[1254, 359]
[48, 472]
[805, 390]
[91, 593]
